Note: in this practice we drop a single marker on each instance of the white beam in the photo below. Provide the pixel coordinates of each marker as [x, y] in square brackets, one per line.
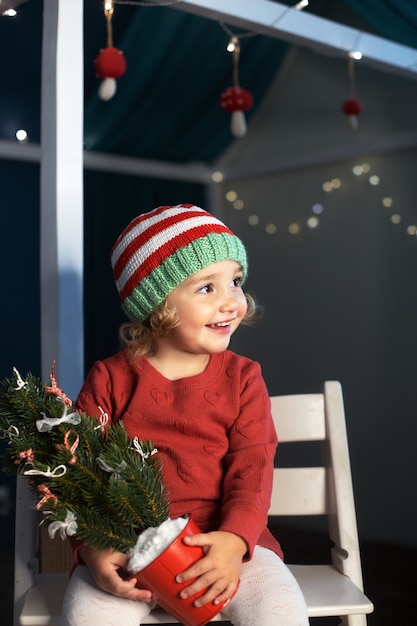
[62, 194]
[201, 173]
[302, 28]
[101, 161]
[188, 172]
[14, 151]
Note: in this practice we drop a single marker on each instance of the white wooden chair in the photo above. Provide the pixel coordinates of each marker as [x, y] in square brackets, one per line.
[334, 588]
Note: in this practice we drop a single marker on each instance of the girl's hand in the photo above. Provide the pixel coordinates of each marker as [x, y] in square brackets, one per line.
[218, 570]
[107, 568]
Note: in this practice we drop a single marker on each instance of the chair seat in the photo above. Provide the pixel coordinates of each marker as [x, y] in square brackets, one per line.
[43, 604]
[326, 592]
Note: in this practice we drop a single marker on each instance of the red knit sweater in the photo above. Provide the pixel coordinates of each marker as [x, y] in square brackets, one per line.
[214, 433]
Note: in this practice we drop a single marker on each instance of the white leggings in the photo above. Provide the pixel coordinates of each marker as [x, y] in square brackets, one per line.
[268, 596]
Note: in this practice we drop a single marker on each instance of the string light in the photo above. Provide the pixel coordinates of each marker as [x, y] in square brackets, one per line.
[317, 208]
[217, 177]
[231, 196]
[312, 222]
[21, 135]
[301, 5]
[233, 43]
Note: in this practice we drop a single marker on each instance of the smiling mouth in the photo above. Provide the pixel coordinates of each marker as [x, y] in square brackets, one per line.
[219, 325]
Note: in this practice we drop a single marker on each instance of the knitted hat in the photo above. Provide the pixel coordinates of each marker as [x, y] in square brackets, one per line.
[160, 249]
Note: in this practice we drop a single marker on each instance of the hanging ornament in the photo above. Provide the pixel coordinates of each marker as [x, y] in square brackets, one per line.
[352, 107]
[235, 100]
[110, 63]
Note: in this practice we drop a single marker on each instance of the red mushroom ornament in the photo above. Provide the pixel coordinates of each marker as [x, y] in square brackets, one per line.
[352, 109]
[109, 64]
[236, 101]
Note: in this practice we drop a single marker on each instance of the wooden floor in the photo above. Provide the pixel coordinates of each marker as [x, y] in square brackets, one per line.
[390, 576]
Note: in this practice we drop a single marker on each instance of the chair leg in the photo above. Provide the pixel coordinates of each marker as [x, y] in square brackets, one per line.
[353, 620]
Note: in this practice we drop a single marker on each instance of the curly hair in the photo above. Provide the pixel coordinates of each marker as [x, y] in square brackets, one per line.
[141, 338]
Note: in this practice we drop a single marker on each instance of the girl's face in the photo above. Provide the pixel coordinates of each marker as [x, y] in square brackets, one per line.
[210, 305]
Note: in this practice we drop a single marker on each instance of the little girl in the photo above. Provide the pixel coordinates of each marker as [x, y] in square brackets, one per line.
[179, 272]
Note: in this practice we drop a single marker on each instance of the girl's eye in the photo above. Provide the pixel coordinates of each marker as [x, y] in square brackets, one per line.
[237, 281]
[206, 289]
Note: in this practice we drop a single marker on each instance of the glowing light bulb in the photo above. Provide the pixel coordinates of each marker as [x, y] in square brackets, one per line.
[301, 5]
[271, 229]
[312, 222]
[21, 135]
[217, 177]
[233, 44]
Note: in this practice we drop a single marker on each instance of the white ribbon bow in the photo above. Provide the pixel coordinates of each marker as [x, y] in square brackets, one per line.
[59, 471]
[103, 419]
[115, 471]
[144, 455]
[67, 527]
[47, 423]
[11, 432]
[20, 383]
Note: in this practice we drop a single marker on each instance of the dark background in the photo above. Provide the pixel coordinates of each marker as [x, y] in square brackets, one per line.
[339, 302]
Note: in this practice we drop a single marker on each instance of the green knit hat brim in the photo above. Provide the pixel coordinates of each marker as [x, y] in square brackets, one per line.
[182, 264]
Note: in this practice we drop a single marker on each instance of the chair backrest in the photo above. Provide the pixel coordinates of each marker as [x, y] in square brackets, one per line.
[325, 489]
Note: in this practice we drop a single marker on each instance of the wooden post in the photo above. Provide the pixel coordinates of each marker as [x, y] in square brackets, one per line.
[62, 194]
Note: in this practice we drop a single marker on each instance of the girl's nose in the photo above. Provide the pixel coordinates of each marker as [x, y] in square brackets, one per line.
[229, 302]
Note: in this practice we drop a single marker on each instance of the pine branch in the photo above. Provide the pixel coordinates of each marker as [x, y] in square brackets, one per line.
[88, 479]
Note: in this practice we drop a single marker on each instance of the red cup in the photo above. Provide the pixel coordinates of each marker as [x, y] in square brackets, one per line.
[159, 577]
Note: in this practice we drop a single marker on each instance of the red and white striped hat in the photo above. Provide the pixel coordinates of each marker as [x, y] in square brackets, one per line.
[159, 250]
